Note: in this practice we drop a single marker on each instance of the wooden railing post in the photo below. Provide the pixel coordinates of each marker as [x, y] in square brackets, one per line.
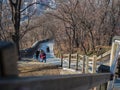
[87, 62]
[94, 64]
[103, 86]
[77, 62]
[61, 56]
[8, 59]
[83, 69]
[113, 50]
[69, 60]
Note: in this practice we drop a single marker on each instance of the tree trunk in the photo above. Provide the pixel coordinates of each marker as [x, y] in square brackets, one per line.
[16, 14]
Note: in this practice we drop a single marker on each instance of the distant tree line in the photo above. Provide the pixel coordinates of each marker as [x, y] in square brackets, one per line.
[87, 23]
[75, 24]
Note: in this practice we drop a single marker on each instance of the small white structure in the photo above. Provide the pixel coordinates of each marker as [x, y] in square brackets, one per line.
[47, 47]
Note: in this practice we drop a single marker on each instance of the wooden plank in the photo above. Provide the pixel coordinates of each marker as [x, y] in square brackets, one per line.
[80, 56]
[83, 67]
[94, 64]
[61, 56]
[77, 63]
[65, 55]
[61, 82]
[114, 47]
[73, 59]
[69, 60]
[74, 55]
[106, 54]
[91, 58]
[107, 57]
[87, 62]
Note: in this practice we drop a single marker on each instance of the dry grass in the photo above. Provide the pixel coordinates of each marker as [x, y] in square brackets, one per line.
[29, 67]
[40, 73]
[35, 68]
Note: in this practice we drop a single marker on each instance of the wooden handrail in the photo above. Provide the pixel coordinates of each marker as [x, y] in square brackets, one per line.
[91, 58]
[74, 57]
[103, 55]
[80, 56]
[74, 54]
[61, 82]
[65, 55]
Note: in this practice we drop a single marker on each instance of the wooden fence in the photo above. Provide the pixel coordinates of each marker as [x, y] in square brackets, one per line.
[9, 79]
[76, 58]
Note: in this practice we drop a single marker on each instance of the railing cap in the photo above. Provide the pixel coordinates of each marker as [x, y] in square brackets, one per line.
[4, 44]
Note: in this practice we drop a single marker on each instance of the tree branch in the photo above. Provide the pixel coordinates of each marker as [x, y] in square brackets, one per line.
[34, 4]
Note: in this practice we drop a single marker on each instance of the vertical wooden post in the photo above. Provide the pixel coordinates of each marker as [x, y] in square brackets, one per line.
[103, 86]
[69, 57]
[114, 46]
[77, 62]
[83, 69]
[8, 59]
[87, 62]
[61, 56]
[94, 64]
[57, 55]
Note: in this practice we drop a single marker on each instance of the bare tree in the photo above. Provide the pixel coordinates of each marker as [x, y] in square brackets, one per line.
[16, 12]
[5, 23]
[88, 23]
[1, 2]
[16, 15]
